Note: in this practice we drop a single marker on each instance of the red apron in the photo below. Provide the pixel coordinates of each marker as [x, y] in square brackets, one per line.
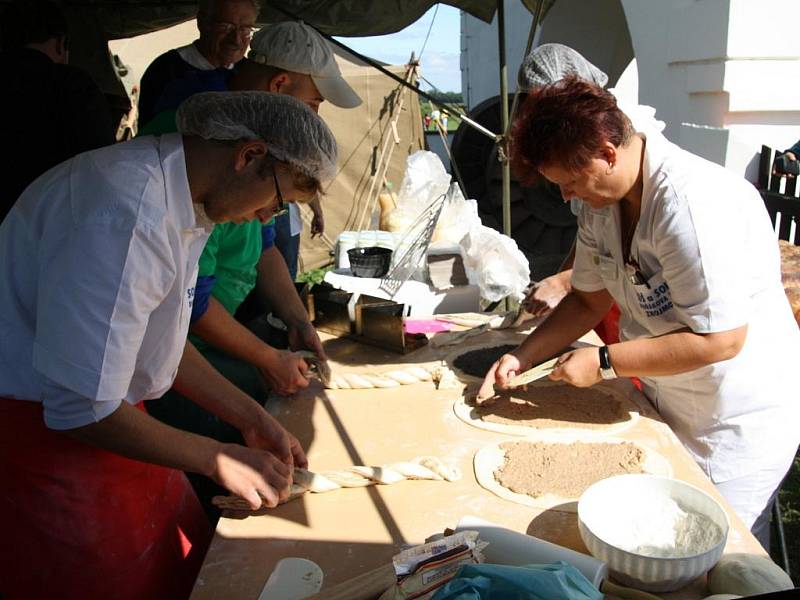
[608, 329]
[80, 522]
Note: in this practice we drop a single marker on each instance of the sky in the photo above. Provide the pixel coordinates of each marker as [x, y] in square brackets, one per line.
[440, 59]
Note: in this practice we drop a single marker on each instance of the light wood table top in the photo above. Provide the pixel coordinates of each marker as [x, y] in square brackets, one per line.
[349, 532]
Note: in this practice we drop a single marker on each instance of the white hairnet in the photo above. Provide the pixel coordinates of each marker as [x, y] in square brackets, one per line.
[552, 62]
[292, 131]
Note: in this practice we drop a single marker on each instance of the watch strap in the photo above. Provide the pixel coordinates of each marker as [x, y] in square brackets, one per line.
[606, 370]
[605, 362]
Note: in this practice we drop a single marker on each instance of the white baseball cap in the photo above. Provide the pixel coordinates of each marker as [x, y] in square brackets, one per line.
[296, 47]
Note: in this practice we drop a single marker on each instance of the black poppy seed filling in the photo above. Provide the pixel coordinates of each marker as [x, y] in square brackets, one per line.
[478, 361]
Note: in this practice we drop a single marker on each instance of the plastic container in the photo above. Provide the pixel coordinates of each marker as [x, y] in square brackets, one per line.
[367, 239]
[601, 502]
[372, 261]
[346, 241]
[360, 239]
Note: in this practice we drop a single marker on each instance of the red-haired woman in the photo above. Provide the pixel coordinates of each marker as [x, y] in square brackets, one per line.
[686, 249]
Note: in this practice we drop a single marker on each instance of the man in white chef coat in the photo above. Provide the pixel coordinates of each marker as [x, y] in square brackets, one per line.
[99, 263]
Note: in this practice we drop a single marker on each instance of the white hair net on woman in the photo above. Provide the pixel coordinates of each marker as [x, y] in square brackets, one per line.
[552, 62]
[292, 131]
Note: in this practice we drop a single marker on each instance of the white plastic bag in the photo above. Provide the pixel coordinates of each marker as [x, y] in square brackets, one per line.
[458, 217]
[499, 266]
[424, 181]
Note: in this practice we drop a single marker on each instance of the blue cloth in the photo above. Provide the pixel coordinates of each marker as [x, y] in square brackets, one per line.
[795, 149]
[558, 581]
[268, 235]
[288, 244]
[202, 293]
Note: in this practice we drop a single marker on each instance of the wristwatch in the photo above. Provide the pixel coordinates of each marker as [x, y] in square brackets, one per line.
[606, 370]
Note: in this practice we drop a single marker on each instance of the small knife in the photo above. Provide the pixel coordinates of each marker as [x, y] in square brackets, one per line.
[542, 370]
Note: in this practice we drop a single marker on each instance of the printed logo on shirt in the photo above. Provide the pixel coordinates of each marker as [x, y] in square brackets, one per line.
[190, 296]
[654, 301]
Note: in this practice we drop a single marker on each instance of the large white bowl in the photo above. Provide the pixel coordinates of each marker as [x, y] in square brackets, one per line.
[600, 500]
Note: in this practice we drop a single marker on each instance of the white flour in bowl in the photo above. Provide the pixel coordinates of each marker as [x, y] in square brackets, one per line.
[656, 526]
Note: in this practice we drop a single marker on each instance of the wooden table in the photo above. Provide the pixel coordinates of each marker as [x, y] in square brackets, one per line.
[352, 531]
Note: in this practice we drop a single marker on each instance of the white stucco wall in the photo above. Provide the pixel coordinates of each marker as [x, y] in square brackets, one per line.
[724, 75]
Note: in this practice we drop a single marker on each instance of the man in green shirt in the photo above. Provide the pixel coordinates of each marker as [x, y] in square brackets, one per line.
[286, 58]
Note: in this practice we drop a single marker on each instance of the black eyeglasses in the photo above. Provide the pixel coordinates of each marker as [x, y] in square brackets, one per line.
[281, 208]
[226, 28]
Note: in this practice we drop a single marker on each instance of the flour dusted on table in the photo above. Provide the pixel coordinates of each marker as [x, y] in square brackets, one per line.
[651, 525]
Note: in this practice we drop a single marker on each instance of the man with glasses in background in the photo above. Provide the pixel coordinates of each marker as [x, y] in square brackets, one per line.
[225, 26]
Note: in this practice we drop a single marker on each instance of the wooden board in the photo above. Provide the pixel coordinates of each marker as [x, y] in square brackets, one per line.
[349, 532]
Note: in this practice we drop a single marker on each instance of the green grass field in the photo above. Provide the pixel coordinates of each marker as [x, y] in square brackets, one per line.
[790, 505]
[452, 122]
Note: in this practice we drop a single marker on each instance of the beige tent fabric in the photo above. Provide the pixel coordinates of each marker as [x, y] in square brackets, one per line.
[361, 133]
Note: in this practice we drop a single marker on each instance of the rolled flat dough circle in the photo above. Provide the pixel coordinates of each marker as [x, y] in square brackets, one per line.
[469, 414]
[490, 458]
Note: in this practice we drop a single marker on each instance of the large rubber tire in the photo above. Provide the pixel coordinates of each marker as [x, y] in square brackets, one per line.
[542, 224]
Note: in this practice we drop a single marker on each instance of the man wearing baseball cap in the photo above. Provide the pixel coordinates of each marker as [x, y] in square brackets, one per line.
[298, 61]
[286, 58]
[295, 51]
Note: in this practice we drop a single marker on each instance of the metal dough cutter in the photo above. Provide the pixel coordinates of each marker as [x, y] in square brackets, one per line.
[538, 372]
[319, 367]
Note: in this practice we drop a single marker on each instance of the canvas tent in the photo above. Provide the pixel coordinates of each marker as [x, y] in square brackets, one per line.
[374, 139]
[94, 22]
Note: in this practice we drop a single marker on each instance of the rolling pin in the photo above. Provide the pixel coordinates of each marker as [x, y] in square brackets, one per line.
[507, 547]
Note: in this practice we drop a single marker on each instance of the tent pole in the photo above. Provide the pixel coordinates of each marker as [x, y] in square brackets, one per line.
[501, 46]
[502, 154]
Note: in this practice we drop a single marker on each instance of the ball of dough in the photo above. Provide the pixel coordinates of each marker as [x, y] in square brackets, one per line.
[747, 574]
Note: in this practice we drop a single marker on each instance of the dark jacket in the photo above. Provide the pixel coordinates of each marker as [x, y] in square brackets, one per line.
[48, 113]
[163, 70]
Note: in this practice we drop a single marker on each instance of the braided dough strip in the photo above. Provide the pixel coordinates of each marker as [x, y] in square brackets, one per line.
[386, 379]
[423, 467]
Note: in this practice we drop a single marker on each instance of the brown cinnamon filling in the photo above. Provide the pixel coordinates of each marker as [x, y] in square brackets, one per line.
[553, 406]
[564, 470]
